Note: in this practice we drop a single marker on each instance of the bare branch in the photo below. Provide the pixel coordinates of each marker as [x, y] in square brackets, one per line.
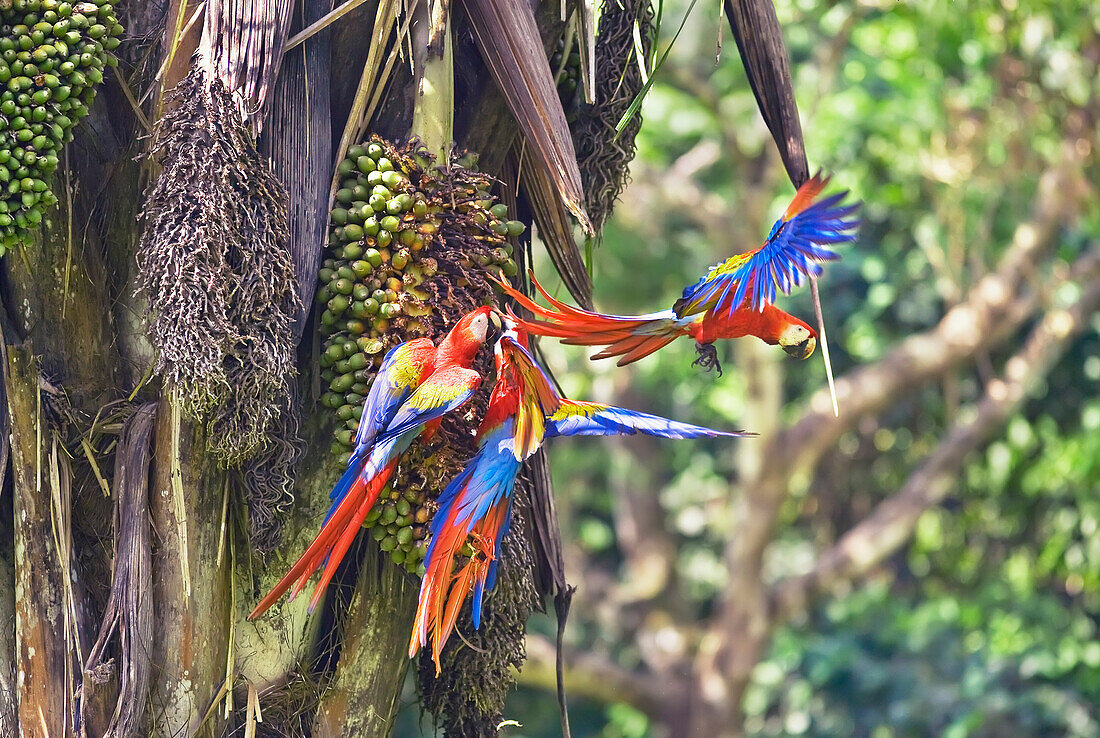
[595, 676]
[892, 522]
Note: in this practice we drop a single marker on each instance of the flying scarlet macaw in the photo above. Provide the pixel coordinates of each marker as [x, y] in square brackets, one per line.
[417, 384]
[523, 410]
[732, 300]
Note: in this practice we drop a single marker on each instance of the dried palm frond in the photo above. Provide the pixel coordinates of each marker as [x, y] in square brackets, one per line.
[585, 15]
[129, 611]
[509, 41]
[760, 41]
[242, 44]
[555, 228]
[298, 138]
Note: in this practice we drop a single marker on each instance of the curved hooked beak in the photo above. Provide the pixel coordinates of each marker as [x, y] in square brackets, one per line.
[496, 317]
[803, 350]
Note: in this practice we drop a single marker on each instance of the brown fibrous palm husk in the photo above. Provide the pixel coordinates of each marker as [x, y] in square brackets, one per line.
[214, 264]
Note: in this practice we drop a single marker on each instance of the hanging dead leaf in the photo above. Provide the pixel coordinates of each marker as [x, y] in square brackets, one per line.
[510, 44]
[555, 229]
[760, 41]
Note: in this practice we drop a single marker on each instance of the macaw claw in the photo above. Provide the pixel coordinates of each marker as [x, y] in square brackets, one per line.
[708, 357]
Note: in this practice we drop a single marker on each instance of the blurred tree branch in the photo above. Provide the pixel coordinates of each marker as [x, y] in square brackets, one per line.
[892, 522]
[593, 675]
[998, 304]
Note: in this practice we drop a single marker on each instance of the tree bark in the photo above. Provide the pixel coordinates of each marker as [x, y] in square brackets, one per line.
[362, 700]
[9, 723]
[43, 665]
[190, 580]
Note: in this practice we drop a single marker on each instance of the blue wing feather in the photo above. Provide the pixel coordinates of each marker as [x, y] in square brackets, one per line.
[488, 478]
[795, 249]
[594, 419]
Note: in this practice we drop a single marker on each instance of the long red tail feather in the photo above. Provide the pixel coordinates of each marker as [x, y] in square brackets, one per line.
[344, 523]
[631, 337]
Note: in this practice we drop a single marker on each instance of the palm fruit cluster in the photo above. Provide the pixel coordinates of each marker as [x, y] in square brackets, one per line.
[52, 56]
[408, 251]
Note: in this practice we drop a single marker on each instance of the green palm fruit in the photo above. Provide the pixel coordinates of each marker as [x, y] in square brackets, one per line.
[392, 179]
[389, 247]
[365, 164]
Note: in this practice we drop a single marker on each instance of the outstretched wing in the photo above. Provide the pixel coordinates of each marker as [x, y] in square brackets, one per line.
[575, 418]
[798, 242]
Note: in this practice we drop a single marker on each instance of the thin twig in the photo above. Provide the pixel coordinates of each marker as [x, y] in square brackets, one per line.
[824, 343]
[134, 104]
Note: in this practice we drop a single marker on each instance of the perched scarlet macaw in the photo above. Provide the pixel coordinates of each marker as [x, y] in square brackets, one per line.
[732, 300]
[417, 384]
[523, 410]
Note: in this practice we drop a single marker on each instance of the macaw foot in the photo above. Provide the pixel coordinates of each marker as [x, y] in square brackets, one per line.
[708, 357]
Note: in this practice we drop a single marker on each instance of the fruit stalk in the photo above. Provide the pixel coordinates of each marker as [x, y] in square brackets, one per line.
[433, 110]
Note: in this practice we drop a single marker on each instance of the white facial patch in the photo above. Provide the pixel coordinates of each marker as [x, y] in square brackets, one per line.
[479, 327]
[794, 335]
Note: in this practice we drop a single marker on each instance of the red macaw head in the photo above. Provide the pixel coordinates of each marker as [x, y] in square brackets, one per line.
[469, 333]
[797, 339]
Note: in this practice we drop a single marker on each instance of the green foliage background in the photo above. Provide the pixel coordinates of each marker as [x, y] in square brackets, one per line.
[941, 116]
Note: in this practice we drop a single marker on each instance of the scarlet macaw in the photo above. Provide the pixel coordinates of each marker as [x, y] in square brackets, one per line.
[524, 409]
[417, 384]
[732, 300]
